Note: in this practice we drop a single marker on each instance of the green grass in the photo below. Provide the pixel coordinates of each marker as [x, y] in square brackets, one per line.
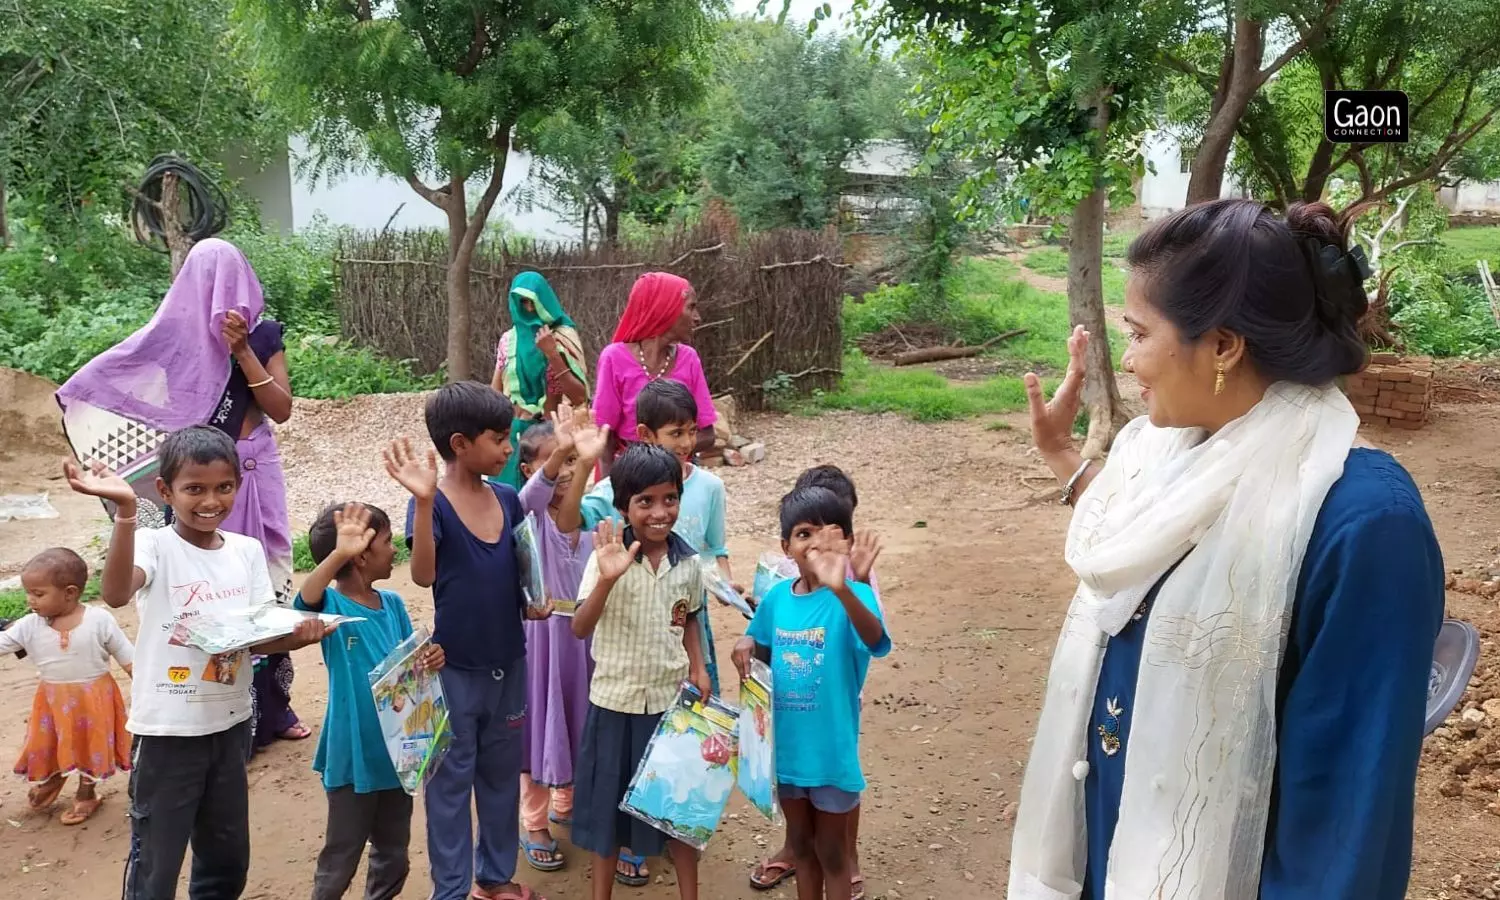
[1467, 245]
[302, 558]
[1053, 262]
[921, 394]
[987, 298]
[1116, 243]
[13, 601]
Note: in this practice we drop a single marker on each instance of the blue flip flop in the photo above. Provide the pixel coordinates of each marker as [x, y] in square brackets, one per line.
[528, 848]
[635, 862]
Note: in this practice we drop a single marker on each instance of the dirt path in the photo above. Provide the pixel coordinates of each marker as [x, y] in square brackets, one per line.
[975, 592]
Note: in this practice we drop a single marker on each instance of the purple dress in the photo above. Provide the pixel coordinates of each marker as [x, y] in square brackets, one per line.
[558, 665]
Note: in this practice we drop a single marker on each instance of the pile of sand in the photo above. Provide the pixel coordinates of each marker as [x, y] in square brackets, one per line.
[30, 420]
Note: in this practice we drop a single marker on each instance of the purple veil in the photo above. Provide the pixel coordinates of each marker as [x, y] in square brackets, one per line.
[172, 372]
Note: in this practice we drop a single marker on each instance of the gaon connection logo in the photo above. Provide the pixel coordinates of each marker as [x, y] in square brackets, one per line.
[1366, 117]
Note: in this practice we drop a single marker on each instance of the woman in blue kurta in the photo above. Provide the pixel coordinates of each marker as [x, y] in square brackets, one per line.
[1235, 707]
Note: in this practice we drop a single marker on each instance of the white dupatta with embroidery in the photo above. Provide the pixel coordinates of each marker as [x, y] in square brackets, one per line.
[1202, 753]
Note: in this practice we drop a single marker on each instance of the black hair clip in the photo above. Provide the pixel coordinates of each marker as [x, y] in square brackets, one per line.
[1333, 263]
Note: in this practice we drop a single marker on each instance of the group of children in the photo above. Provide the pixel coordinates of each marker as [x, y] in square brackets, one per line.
[551, 705]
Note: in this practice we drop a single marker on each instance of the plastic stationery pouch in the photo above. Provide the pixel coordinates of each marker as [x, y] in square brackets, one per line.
[718, 587]
[529, 558]
[412, 711]
[770, 570]
[688, 771]
[757, 742]
[236, 629]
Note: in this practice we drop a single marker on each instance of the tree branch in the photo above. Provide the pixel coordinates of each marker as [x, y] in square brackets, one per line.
[435, 197]
[501, 141]
[477, 46]
[1310, 36]
[1451, 145]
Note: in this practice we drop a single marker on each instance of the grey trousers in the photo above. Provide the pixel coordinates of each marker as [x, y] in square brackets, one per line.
[382, 820]
[189, 790]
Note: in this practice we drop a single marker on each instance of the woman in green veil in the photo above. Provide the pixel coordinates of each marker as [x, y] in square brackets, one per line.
[538, 362]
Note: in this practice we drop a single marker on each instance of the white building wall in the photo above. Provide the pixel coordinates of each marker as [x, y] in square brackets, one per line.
[1164, 191]
[369, 200]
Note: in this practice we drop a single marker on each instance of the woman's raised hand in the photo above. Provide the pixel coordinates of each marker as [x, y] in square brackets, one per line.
[1052, 420]
[546, 342]
[236, 332]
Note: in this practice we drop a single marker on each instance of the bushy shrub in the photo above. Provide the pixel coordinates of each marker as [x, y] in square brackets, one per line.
[326, 368]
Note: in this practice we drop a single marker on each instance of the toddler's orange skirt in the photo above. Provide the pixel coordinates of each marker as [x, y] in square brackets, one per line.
[76, 728]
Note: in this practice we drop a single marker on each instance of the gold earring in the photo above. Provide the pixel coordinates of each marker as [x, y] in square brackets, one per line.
[1218, 379]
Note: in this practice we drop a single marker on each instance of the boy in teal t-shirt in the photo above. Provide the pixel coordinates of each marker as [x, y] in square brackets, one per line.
[818, 633]
[366, 804]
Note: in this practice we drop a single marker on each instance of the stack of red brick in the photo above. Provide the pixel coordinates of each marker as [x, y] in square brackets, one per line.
[1392, 391]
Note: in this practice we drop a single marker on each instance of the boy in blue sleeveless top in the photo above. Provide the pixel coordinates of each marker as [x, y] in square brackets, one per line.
[463, 546]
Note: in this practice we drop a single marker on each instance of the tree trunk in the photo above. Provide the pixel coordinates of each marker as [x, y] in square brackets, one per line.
[464, 231]
[611, 223]
[460, 254]
[1239, 80]
[178, 244]
[1101, 396]
[4, 222]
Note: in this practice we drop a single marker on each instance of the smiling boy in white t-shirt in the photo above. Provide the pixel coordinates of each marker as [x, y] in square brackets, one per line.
[189, 711]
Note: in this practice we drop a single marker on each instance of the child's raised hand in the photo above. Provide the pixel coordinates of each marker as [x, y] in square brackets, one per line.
[97, 481]
[352, 530]
[563, 426]
[610, 552]
[590, 441]
[416, 473]
[829, 557]
[862, 555]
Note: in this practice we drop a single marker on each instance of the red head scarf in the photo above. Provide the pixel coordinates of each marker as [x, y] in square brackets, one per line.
[656, 302]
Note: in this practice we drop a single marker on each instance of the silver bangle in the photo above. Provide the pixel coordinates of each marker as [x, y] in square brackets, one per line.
[1067, 494]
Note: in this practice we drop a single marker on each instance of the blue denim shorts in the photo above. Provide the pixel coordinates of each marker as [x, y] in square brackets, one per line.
[829, 800]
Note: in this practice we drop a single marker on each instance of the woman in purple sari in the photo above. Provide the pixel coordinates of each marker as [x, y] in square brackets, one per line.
[207, 356]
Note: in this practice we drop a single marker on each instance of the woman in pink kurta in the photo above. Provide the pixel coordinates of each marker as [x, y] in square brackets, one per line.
[649, 344]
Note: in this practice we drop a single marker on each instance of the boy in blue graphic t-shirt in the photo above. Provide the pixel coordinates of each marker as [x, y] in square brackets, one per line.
[818, 632]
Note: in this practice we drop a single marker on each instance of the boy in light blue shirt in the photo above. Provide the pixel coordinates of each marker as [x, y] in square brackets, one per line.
[667, 415]
[366, 803]
[818, 632]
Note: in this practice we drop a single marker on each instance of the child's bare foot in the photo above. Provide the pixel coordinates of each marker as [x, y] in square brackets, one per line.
[769, 873]
[45, 794]
[85, 804]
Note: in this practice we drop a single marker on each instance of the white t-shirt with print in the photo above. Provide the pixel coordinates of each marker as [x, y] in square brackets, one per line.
[179, 691]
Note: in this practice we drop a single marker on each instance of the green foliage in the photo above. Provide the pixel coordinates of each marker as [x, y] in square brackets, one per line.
[987, 299]
[1440, 52]
[13, 604]
[436, 88]
[784, 114]
[64, 302]
[921, 394]
[13, 600]
[325, 368]
[296, 276]
[1053, 262]
[302, 558]
[1465, 246]
[1440, 314]
[90, 91]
